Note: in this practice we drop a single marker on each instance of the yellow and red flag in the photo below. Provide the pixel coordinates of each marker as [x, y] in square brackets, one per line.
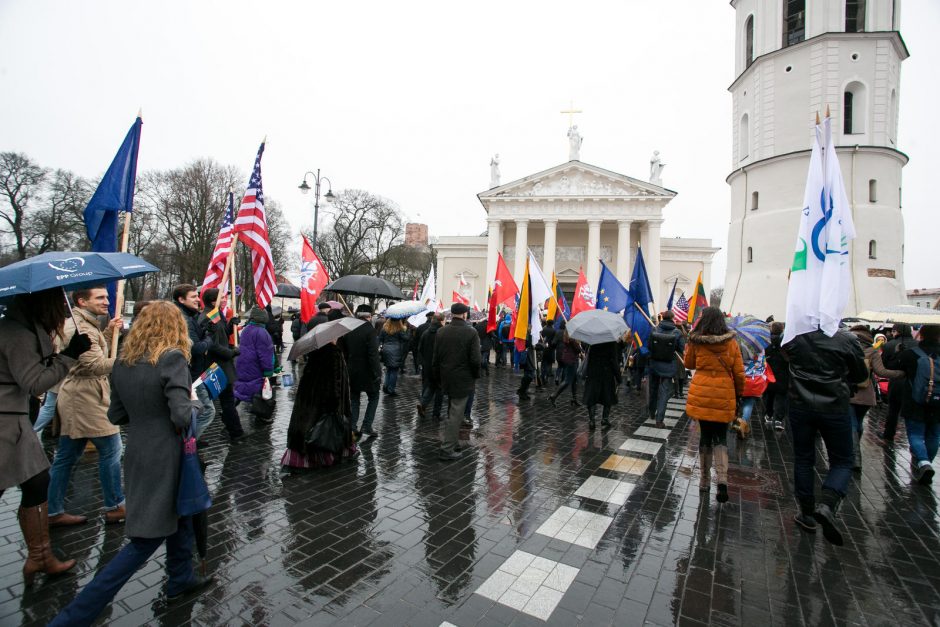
[698, 302]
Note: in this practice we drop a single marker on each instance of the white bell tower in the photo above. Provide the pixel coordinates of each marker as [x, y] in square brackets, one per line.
[794, 58]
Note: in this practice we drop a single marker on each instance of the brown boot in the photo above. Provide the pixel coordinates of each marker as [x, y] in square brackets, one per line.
[66, 520]
[721, 472]
[34, 522]
[705, 468]
[115, 516]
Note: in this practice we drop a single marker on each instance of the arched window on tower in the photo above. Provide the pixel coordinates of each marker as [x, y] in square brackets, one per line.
[749, 41]
[794, 22]
[853, 109]
[744, 138]
[872, 249]
[755, 198]
[750, 254]
[893, 117]
[855, 16]
[872, 190]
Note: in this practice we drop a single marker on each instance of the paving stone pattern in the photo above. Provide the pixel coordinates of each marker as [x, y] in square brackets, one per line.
[582, 527]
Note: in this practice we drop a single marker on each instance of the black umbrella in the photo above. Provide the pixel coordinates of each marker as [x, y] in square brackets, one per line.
[322, 334]
[364, 285]
[287, 290]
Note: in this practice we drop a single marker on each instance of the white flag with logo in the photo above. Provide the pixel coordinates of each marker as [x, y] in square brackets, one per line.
[541, 290]
[819, 277]
[429, 292]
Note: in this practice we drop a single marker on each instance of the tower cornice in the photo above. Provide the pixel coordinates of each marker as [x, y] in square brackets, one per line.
[893, 35]
[796, 154]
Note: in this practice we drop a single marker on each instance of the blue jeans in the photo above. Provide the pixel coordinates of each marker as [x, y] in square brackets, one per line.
[923, 440]
[100, 591]
[207, 415]
[391, 379]
[836, 432]
[747, 407]
[466, 410]
[661, 389]
[371, 406]
[67, 455]
[46, 412]
[430, 392]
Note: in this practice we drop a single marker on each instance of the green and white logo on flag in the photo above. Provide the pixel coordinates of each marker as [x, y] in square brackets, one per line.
[819, 275]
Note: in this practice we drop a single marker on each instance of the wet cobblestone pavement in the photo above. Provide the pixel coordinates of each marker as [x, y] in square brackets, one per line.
[540, 520]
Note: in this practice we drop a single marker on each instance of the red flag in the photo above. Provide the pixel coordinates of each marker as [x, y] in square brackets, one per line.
[414, 295]
[492, 306]
[313, 278]
[457, 298]
[583, 296]
[252, 228]
[504, 288]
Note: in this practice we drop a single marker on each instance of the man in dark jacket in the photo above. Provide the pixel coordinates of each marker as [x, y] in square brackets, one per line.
[823, 372]
[775, 398]
[548, 350]
[486, 345]
[921, 419]
[221, 353]
[666, 341]
[361, 347]
[323, 310]
[430, 388]
[902, 339]
[456, 365]
[186, 298]
[416, 342]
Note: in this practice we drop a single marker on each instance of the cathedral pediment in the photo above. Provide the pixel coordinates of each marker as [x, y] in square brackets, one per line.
[579, 180]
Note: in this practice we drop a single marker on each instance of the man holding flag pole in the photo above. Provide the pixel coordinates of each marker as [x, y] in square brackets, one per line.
[825, 364]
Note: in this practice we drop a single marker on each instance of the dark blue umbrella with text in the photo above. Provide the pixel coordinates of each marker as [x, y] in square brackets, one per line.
[70, 271]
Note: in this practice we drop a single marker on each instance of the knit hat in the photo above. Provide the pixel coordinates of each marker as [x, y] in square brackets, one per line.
[258, 315]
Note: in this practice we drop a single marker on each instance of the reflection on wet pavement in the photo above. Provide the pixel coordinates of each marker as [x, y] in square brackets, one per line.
[540, 520]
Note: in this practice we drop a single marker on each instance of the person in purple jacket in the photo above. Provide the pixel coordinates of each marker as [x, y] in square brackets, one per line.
[256, 361]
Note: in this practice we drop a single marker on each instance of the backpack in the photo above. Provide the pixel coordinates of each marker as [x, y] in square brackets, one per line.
[504, 332]
[662, 346]
[925, 386]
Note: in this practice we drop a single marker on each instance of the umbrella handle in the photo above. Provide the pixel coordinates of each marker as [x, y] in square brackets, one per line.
[69, 305]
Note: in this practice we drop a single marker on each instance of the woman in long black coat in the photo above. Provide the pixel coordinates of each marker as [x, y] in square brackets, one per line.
[602, 376]
[322, 394]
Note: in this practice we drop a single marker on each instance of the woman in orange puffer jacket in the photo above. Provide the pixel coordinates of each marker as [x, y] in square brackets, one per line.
[713, 353]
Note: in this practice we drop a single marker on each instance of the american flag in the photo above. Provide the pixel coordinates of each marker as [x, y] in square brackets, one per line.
[681, 309]
[252, 228]
[223, 246]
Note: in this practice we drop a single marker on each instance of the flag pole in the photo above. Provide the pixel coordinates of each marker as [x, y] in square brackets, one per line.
[119, 300]
[652, 324]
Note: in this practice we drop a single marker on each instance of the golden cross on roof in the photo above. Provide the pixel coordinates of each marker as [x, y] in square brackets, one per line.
[571, 111]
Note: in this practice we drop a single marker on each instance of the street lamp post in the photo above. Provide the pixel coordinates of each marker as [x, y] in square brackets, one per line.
[304, 188]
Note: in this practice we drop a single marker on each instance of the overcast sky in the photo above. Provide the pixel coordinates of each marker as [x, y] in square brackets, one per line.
[410, 100]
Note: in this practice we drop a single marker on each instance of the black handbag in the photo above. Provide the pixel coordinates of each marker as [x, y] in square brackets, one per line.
[332, 433]
[262, 408]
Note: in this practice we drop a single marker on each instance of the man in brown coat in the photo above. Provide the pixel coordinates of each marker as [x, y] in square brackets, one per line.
[82, 409]
[456, 366]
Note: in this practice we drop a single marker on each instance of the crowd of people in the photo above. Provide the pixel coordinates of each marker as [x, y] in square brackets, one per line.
[813, 385]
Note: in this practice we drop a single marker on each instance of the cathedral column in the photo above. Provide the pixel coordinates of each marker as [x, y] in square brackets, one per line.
[548, 261]
[623, 250]
[492, 249]
[652, 257]
[592, 262]
[522, 250]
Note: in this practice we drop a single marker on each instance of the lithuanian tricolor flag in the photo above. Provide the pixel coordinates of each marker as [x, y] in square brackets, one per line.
[698, 302]
[523, 310]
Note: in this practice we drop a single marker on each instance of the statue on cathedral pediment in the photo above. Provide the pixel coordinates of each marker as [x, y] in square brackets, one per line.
[494, 171]
[656, 169]
[574, 144]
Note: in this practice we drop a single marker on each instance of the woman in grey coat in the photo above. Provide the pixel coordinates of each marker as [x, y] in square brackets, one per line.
[150, 393]
[29, 366]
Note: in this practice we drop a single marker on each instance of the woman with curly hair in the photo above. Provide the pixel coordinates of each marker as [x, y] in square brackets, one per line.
[151, 394]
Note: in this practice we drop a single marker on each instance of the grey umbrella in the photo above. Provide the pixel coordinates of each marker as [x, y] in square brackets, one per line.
[364, 285]
[596, 326]
[321, 335]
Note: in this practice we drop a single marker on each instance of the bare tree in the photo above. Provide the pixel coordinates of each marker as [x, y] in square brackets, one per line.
[715, 296]
[358, 239]
[20, 179]
[58, 223]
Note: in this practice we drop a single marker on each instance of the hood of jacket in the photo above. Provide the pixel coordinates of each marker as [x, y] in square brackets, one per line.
[697, 338]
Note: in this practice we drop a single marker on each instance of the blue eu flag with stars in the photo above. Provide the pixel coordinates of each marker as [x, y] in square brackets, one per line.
[611, 294]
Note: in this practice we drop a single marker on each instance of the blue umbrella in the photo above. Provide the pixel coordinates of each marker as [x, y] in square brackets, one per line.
[67, 269]
[753, 335]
